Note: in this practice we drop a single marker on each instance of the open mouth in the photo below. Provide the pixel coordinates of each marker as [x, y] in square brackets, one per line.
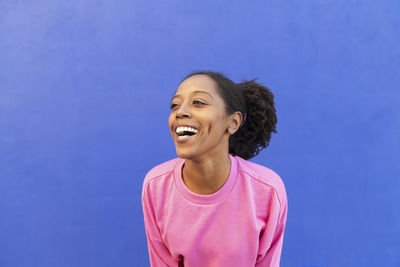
[185, 133]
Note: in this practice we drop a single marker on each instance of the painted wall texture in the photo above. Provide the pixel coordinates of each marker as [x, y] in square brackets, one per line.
[85, 88]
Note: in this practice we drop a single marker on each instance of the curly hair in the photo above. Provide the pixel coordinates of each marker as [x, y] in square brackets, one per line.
[256, 103]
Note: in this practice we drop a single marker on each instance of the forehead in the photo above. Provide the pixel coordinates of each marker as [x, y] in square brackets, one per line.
[199, 82]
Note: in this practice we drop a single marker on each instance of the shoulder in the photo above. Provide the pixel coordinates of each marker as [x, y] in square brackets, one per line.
[160, 172]
[263, 177]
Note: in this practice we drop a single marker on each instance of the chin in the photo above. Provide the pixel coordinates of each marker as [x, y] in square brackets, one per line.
[185, 154]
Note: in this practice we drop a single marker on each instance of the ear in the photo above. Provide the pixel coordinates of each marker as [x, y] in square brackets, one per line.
[235, 120]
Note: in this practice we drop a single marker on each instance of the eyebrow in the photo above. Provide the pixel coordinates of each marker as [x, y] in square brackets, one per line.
[194, 92]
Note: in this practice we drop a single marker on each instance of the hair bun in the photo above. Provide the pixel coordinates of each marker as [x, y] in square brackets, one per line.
[261, 120]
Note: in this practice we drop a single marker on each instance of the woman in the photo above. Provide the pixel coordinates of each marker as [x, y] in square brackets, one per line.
[210, 206]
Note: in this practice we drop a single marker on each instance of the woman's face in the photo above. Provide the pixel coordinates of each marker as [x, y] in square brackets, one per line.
[197, 105]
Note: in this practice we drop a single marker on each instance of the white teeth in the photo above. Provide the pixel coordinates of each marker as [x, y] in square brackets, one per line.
[181, 129]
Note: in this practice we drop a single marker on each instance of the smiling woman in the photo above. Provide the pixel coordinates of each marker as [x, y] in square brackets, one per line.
[210, 206]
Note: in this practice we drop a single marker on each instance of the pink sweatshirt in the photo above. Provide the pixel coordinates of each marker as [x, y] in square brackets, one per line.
[242, 224]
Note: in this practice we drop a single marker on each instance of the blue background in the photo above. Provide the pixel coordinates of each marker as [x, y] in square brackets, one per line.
[84, 101]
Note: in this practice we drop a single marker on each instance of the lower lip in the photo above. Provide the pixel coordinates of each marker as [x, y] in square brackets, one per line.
[184, 139]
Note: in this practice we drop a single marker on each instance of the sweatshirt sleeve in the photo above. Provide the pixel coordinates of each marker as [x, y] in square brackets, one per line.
[159, 254]
[271, 240]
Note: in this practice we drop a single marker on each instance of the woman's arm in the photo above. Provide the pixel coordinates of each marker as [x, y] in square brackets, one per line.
[158, 252]
[271, 240]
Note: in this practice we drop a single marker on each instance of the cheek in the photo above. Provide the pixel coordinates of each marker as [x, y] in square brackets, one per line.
[217, 127]
[170, 120]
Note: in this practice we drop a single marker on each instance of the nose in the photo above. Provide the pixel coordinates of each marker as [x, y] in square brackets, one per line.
[183, 111]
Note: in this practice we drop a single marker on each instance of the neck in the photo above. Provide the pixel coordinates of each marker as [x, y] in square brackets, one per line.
[206, 176]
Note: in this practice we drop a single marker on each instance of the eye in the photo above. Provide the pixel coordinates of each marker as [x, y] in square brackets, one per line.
[173, 105]
[198, 102]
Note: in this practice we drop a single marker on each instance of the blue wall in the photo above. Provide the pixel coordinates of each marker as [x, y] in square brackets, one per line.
[84, 96]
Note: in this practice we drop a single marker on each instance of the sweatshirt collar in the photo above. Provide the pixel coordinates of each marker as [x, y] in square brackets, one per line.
[218, 196]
